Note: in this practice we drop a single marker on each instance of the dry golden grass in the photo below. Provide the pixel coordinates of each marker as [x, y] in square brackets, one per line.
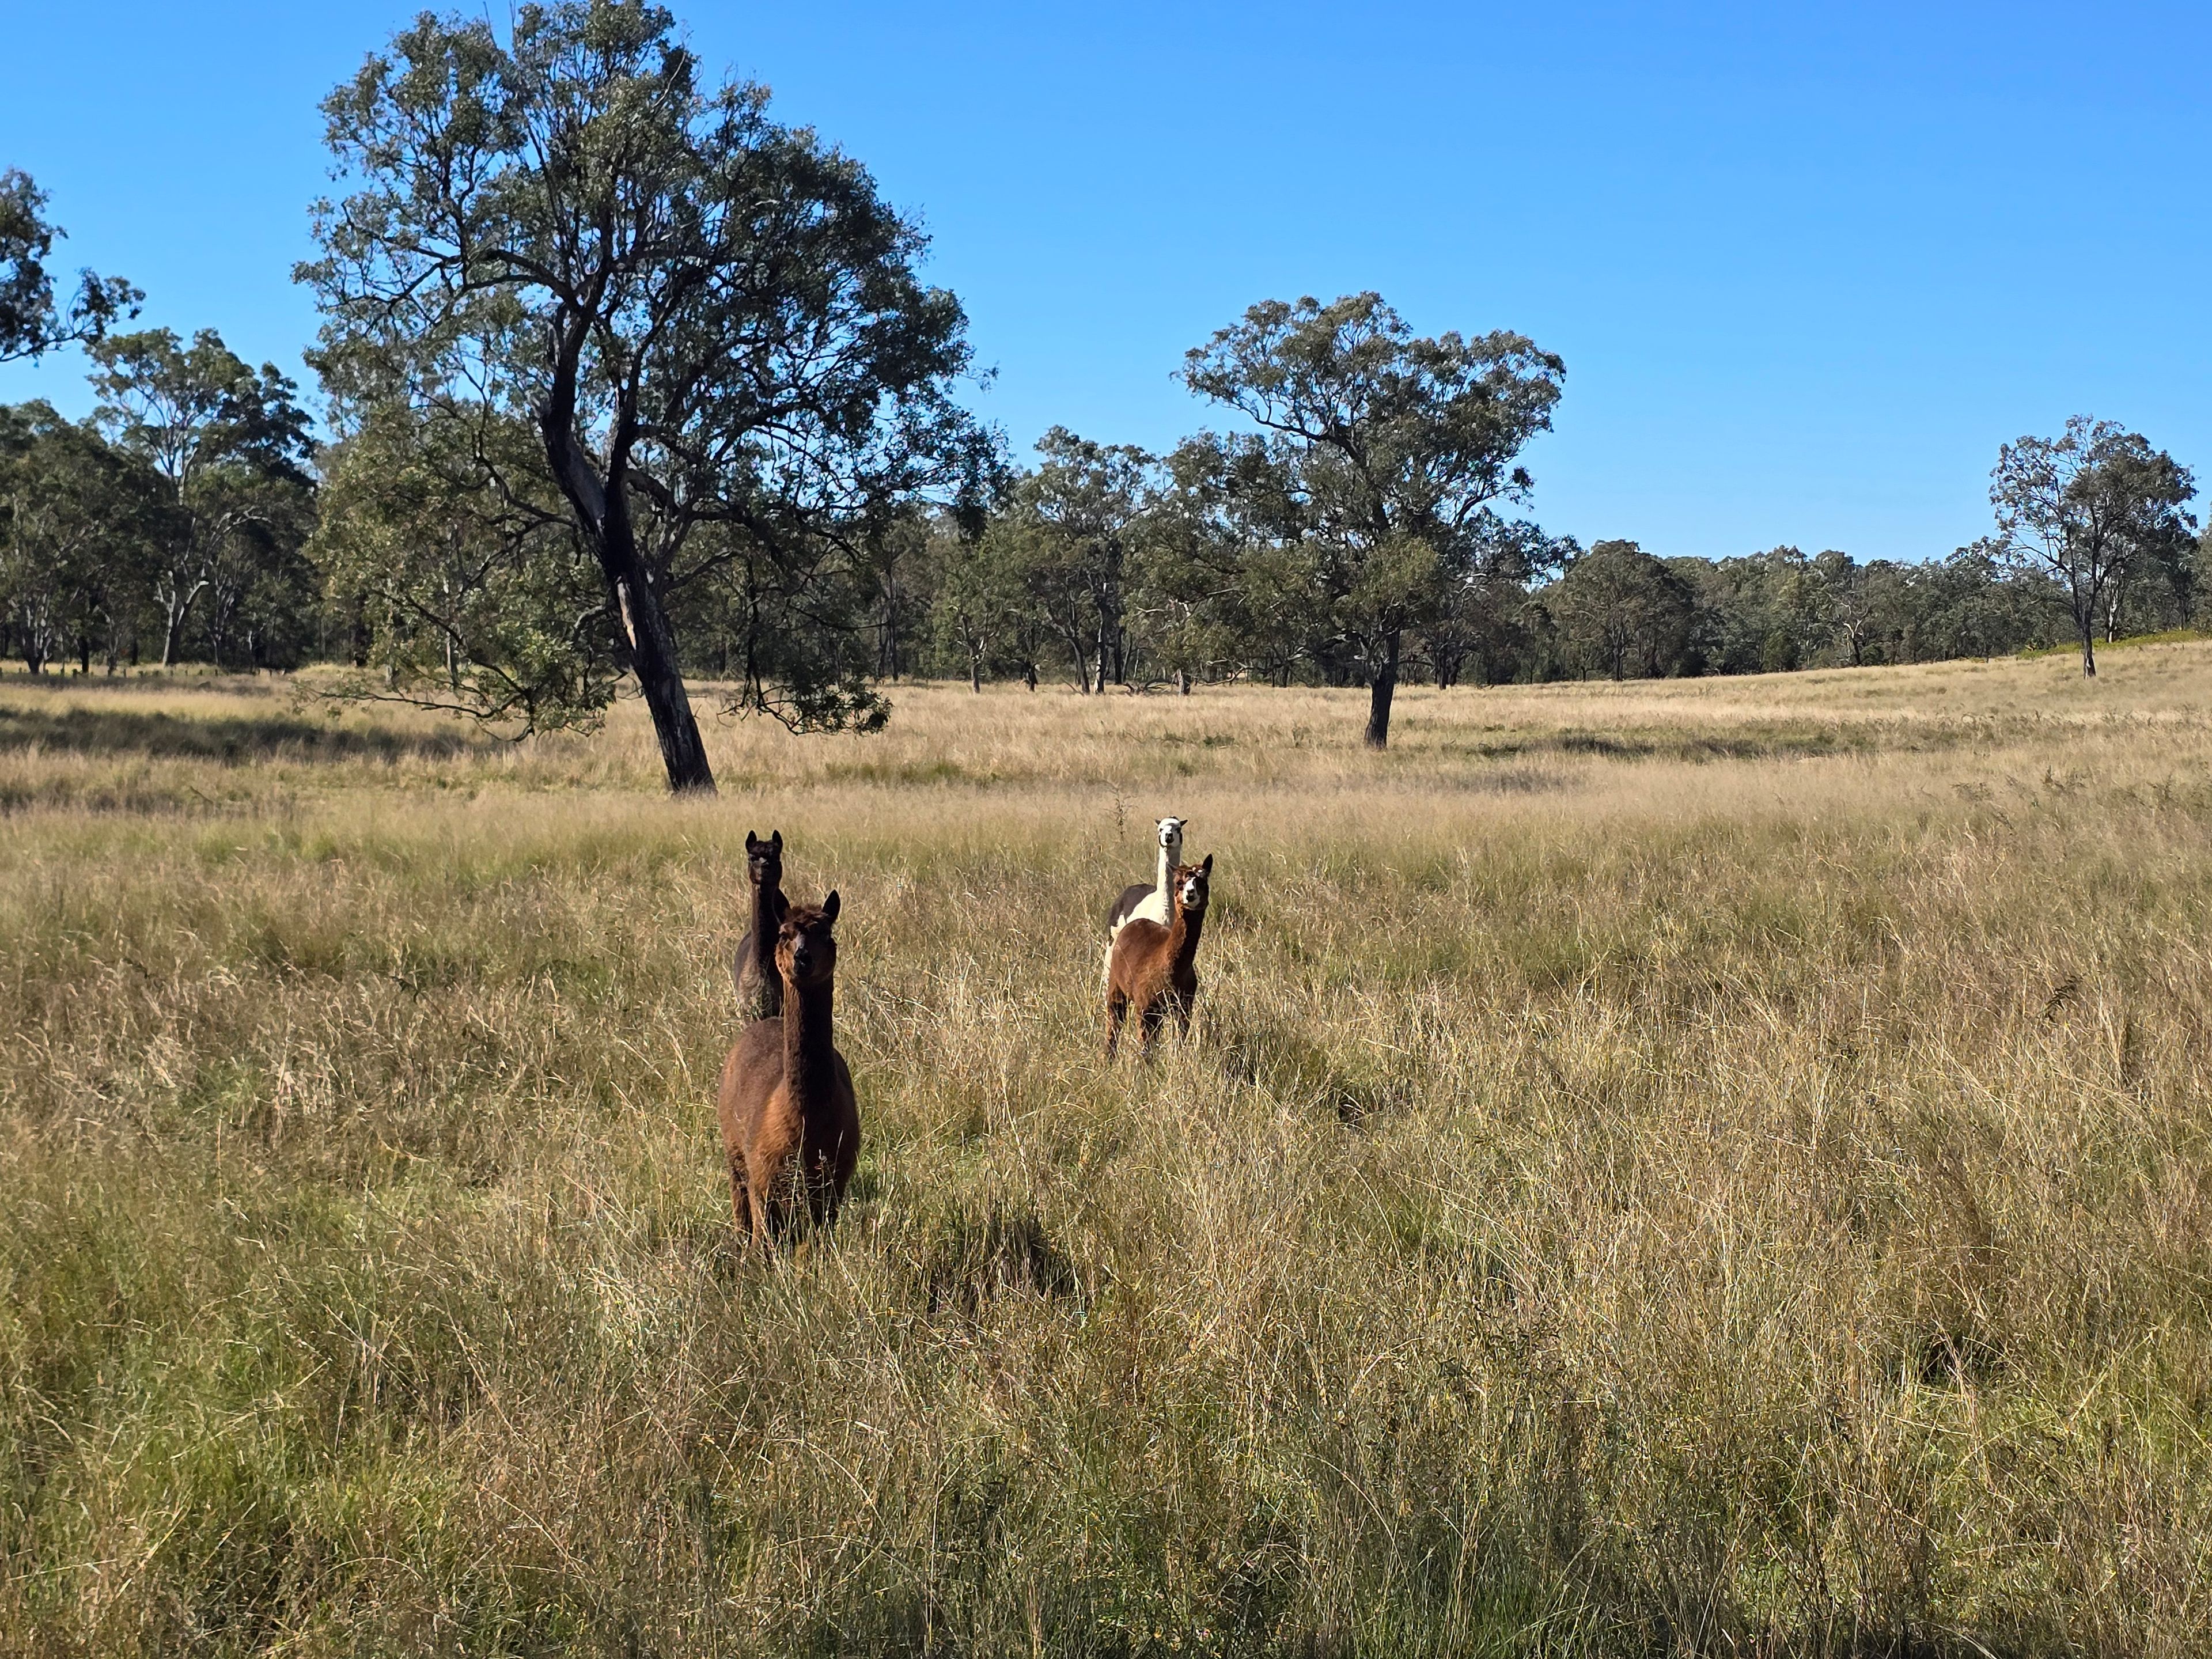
[1708, 1168]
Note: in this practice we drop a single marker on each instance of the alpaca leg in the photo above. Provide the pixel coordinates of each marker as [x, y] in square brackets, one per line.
[740, 1200]
[761, 1192]
[1117, 1010]
[843, 1164]
[821, 1193]
[1151, 1020]
[764, 1235]
[790, 1194]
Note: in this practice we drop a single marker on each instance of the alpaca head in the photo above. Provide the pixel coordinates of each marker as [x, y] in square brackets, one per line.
[1170, 832]
[1191, 882]
[805, 948]
[764, 858]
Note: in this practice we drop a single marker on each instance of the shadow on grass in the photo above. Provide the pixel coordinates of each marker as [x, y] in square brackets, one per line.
[977, 1250]
[230, 738]
[1755, 742]
[1278, 1058]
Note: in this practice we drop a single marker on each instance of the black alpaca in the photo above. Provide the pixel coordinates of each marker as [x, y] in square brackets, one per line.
[760, 986]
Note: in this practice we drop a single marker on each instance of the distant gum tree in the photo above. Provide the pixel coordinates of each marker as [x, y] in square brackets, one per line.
[1376, 457]
[712, 323]
[1072, 529]
[2086, 509]
[1621, 612]
[1482, 620]
[231, 446]
[65, 495]
[33, 322]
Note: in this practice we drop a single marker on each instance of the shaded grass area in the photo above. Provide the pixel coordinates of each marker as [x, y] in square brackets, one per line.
[1750, 742]
[199, 747]
[2072, 648]
[232, 739]
[1753, 1207]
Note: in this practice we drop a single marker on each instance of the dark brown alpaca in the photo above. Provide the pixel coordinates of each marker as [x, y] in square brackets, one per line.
[790, 1125]
[760, 988]
[1153, 969]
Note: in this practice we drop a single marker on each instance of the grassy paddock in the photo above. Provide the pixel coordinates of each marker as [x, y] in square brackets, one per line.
[1701, 1168]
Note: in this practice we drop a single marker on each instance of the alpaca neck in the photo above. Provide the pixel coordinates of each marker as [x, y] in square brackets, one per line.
[765, 924]
[808, 1053]
[1183, 936]
[1166, 883]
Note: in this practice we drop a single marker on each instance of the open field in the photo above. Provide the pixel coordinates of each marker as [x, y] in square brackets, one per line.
[1713, 1167]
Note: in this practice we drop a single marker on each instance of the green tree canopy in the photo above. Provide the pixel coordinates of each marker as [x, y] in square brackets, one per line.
[466, 597]
[1071, 531]
[232, 444]
[1377, 457]
[1621, 612]
[76, 520]
[984, 613]
[713, 323]
[33, 322]
[2087, 509]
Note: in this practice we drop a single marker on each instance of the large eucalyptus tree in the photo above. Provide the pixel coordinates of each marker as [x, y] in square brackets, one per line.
[1377, 455]
[2087, 509]
[713, 323]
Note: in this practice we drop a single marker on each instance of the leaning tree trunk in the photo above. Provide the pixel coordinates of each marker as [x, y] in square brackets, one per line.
[653, 660]
[603, 513]
[1380, 690]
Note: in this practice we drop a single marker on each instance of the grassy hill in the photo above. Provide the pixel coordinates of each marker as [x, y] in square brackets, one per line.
[1708, 1167]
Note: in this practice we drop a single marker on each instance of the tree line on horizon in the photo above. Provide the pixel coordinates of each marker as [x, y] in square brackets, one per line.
[628, 384]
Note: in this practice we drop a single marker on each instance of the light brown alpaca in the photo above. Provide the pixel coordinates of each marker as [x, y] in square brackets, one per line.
[1153, 969]
[790, 1125]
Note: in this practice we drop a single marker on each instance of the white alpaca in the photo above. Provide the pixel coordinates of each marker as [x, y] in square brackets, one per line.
[1156, 901]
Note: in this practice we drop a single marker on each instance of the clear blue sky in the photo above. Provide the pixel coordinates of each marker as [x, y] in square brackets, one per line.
[1809, 264]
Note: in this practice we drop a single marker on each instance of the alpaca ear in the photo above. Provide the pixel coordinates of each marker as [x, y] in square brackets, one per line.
[752, 841]
[830, 905]
[776, 839]
[1207, 867]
